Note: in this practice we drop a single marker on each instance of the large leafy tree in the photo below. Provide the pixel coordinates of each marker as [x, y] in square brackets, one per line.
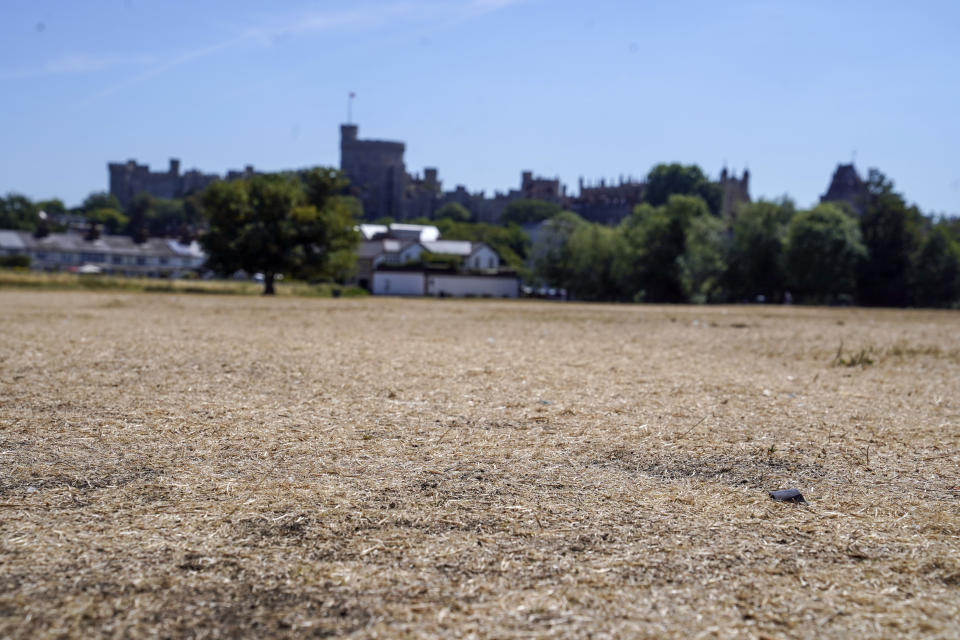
[453, 211]
[510, 242]
[274, 224]
[704, 260]
[650, 265]
[111, 220]
[100, 200]
[52, 207]
[18, 212]
[755, 262]
[140, 211]
[824, 250]
[552, 254]
[665, 180]
[935, 277]
[891, 234]
[593, 248]
[528, 211]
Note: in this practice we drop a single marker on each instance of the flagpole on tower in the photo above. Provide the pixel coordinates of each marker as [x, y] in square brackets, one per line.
[350, 98]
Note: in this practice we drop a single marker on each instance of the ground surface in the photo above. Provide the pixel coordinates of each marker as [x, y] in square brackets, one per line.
[190, 466]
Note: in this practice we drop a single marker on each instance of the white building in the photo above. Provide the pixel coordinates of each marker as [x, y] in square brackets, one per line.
[444, 283]
[399, 231]
[157, 257]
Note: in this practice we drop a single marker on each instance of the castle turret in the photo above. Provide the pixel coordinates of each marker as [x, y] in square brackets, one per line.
[846, 186]
[376, 172]
[348, 133]
[736, 191]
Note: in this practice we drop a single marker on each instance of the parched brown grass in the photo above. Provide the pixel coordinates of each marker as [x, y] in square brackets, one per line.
[217, 467]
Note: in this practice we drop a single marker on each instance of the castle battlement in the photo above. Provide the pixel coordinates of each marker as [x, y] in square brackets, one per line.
[127, 179]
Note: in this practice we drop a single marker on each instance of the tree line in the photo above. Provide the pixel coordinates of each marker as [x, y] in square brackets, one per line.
[144, 216]
[674, 247]
[881, 252]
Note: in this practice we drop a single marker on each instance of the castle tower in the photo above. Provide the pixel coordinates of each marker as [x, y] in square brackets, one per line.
[377, 174]
[736, 191]
[846, 186]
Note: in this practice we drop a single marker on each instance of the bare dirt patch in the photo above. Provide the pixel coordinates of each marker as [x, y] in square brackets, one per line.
[189, 466]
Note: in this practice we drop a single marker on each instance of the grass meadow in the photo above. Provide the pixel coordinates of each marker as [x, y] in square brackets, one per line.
[233, 466]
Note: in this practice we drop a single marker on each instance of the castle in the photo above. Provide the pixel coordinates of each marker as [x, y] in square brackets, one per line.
[378, 177]
[846, 186]
[127, 179]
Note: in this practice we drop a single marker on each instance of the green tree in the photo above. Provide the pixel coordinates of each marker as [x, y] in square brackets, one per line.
[453, 211]
[529, 211]
[100, 200]
[650, 266]
[665, 180]
[891, 234]
[273, 224]
[510, 242]
[52, 207]
[551, 255]
[112, 220]
[140, 211]
[824, 250]
[593, 248]
[704, 260]
[167, 217]
[935, 277]
[18, 213]
[755, 263]
[332, 253]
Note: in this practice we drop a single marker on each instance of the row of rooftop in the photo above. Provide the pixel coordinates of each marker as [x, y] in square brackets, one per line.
[395, 259]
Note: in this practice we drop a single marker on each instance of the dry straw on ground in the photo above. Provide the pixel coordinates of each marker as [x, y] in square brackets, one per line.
[189, 466]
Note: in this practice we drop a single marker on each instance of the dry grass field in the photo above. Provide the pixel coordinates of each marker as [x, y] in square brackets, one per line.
[216, 467]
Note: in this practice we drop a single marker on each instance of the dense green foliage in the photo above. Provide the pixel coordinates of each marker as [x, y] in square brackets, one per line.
[17, 212]
[755, 259]
[891, 233]
[935, 278]
[824, 249]
[278, 224]
[510, 242]
[453, 211]
[665, 180]
[528, 212]
[15, 261]
[673, 248]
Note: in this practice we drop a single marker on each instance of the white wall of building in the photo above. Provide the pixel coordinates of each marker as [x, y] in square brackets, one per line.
[479, 286]
[397, 283]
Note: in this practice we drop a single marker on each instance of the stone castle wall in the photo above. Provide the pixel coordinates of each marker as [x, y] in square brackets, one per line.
[127, 179]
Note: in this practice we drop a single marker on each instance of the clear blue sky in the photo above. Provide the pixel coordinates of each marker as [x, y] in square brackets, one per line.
[483, 89]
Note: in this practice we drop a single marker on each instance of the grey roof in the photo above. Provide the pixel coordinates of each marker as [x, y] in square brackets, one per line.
[25, 241]
[373, 248]
[11, 240]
